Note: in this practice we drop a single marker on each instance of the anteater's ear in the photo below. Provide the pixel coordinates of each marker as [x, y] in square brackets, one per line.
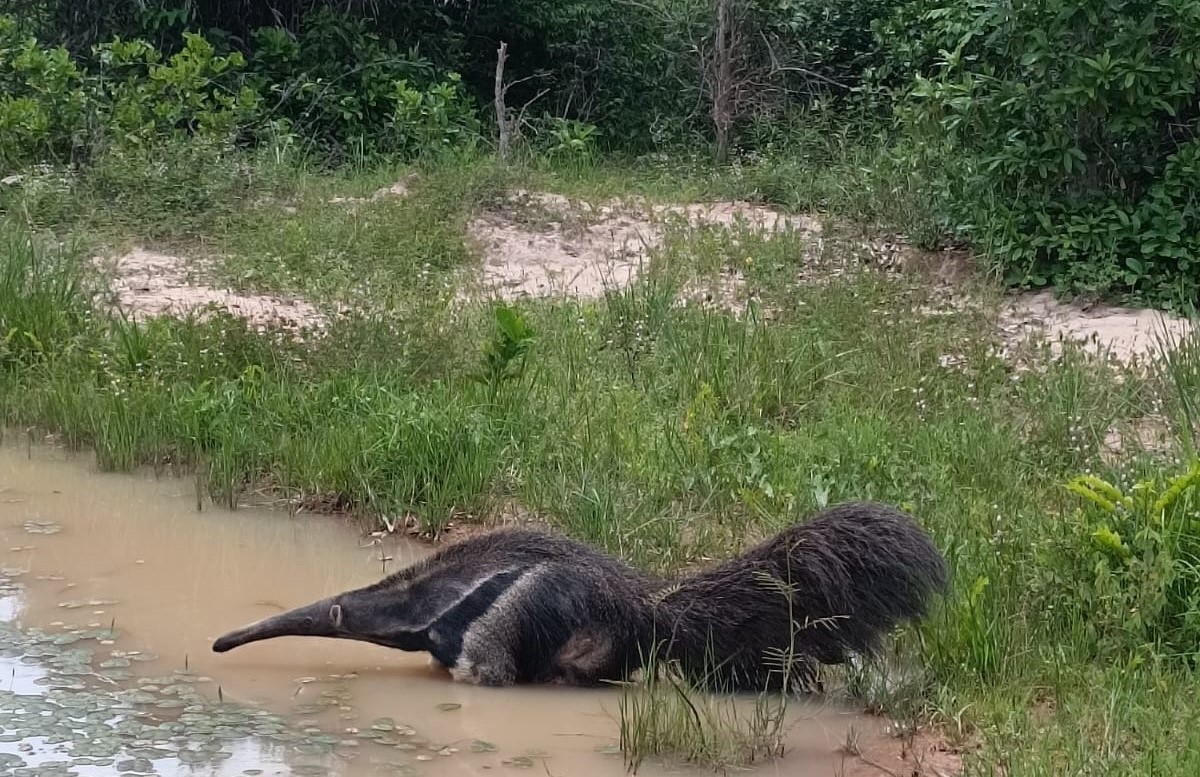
[335, 615]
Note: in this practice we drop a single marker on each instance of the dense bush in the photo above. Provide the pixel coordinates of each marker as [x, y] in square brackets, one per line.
[343, 86]
[53, 109]
[635, 70]
[43, 100]
[1071, 132]
[194, 91]
[59, 108]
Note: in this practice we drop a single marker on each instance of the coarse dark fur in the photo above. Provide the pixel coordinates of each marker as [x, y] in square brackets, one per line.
[518, 605]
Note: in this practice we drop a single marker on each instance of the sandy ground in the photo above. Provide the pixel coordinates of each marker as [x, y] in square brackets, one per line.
[537, 244]
[1125, 333]
[147, 283]
[545, 244]
[580, 249]
[398, 189]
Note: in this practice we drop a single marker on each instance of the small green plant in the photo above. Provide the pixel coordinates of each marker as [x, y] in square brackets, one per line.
[1137, 554]
[571, 140]
[505, 357]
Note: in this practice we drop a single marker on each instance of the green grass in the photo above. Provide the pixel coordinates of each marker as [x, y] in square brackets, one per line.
[663, 717]
[664, 433]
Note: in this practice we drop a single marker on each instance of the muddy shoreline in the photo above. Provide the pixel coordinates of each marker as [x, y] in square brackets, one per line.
[119, 582]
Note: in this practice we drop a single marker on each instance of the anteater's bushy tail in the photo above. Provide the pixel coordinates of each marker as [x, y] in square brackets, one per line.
[820, 591]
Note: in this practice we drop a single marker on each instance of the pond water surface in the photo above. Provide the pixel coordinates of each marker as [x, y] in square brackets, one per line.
[114, 586]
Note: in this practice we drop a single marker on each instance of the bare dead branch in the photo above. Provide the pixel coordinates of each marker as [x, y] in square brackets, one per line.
[501, 111]
[778, 68]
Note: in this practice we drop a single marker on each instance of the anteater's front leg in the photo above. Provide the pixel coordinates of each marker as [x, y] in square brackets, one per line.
[493, 669]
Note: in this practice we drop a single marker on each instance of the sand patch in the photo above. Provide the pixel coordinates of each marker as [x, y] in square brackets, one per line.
[1125, 334]
[539, 244]
[147, 283]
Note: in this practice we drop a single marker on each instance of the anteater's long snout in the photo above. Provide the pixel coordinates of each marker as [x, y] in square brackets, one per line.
[319, 619]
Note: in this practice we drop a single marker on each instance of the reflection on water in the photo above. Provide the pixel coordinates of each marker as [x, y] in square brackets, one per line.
[113, 588]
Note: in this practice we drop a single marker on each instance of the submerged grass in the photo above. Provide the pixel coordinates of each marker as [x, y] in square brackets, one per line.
[663, 717]
[665, 433]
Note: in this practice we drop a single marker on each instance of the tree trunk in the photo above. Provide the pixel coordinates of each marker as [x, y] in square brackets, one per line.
[722, 106]
[501, 111]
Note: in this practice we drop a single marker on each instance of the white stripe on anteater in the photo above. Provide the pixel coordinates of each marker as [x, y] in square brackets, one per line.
[489, 643]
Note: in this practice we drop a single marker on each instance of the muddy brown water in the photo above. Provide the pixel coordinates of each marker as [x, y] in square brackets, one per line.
[131, 556]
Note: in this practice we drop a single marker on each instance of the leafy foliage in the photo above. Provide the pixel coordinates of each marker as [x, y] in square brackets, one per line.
[505, 356]
[43, 101]
[1073, 139]
[194, 91]
[60, 108]
[54, 109]
[343, 86]
[1133, 555]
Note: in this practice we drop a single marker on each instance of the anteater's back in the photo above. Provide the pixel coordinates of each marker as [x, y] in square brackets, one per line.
[854, 571]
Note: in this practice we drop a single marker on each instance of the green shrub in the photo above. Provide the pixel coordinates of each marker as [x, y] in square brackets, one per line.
[1072, 137]
[53, 109]
[384, 100]
[195, 91]
[43, 100]
[129, 94]
[1128, 573]
[832, 40]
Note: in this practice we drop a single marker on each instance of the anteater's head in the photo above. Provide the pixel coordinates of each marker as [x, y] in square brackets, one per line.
[386, 613]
